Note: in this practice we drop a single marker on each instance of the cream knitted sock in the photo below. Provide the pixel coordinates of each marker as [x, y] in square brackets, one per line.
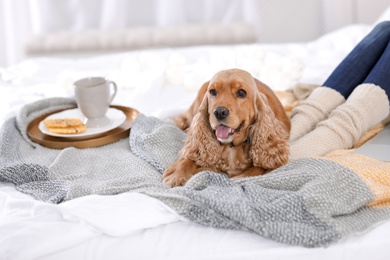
[314, 109]
[366, 106]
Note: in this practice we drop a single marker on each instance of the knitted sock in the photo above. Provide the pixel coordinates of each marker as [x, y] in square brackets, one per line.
[366, 106]
[314, 109]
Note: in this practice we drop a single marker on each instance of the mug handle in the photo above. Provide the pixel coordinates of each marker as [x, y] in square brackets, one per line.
[115, 88]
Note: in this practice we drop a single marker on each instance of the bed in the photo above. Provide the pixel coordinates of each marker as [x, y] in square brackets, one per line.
[138, 224]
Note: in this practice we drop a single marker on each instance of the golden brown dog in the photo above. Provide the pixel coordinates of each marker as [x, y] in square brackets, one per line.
[236, 126]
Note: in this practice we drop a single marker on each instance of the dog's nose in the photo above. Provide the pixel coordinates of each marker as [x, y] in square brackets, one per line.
[221, 113]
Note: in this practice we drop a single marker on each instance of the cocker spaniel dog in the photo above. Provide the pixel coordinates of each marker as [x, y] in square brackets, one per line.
[236, 126]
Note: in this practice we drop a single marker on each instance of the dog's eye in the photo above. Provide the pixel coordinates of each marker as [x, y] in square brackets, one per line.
[213, 92]
[241, 93]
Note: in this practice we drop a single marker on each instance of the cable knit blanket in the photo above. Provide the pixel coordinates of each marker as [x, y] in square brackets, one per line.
[311, 202]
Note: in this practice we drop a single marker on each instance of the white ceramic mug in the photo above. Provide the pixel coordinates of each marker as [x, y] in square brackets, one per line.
[93, 96]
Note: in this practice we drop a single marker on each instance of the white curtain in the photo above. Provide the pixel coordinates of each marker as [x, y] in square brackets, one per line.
[15, 27]
[20, 19]
[272, 20]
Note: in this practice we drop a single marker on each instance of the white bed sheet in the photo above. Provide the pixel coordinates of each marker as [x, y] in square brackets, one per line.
[159, 83]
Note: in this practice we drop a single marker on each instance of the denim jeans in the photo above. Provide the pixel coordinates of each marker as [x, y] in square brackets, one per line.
[368, 62]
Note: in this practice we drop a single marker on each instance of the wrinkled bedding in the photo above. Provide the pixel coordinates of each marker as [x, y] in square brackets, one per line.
[308, 202]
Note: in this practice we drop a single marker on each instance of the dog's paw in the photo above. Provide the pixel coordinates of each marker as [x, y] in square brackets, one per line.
[182, 122]
[175, 180]
[178, 173]
[253, 171]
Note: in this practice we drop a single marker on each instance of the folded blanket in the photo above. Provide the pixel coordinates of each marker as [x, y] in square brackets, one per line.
[310, 202]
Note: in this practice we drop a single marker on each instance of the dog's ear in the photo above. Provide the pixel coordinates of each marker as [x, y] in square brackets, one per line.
[268, 137]
[184, 120]
[201, 146]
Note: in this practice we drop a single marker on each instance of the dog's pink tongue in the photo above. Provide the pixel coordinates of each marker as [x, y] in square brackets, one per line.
[222, 132]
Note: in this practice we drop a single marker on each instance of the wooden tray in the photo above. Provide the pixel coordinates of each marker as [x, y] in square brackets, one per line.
[111, 136]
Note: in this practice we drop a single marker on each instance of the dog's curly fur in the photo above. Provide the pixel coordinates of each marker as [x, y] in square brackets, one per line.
[258, 127]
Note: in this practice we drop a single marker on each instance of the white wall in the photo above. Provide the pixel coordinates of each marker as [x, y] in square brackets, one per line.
[289, 20]
[367, 11]
[338, 13]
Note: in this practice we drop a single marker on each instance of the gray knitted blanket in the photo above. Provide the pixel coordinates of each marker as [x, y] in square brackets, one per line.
[309, 202]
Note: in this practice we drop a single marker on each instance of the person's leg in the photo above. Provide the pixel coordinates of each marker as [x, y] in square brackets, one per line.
[315, 108]
[366, 106]
[380, 74]
[351, 72]
[359, 63]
